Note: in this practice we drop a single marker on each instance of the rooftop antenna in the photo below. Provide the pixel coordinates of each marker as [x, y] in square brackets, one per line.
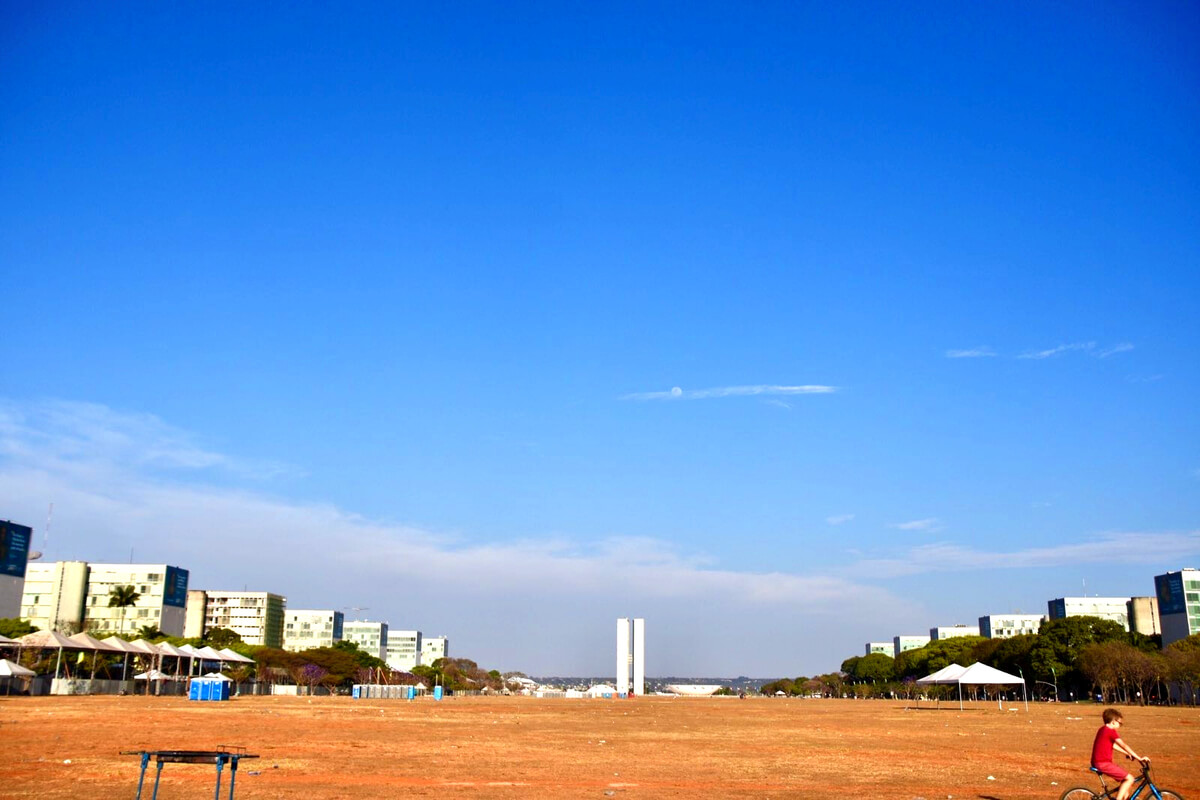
[46, 532]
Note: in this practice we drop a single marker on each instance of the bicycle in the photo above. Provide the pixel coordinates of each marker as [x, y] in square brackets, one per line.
[1143, 782]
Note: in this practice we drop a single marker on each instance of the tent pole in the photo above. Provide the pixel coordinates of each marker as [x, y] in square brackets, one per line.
[960, 708]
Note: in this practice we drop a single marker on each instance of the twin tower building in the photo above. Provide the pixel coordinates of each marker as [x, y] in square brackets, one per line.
[631, 656]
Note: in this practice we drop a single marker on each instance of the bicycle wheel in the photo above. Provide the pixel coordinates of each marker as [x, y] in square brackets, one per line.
[1079, 793]
[1167, 794]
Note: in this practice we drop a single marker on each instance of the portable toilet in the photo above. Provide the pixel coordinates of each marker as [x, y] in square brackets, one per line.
[410, 692]
[437, 693]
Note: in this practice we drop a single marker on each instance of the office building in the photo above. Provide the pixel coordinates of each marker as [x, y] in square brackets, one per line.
[883, 648]
[1143, 616]
[1111, 608]
[950, 631]
[902, 643]
[1178, 604]
[306, 629]
[257, 617]
[1006, 626]
[14, 558]
[433, 648]
[403, 650]
[193, 614]
[71, 596]
[631, 655]
[371, 637]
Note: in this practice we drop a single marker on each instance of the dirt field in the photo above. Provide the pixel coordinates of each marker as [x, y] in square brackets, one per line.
[523, 747]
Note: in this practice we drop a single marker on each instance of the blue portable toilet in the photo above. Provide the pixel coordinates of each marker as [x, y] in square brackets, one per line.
[356, 691]
[208, 689]
[410, 693]
[437, 693]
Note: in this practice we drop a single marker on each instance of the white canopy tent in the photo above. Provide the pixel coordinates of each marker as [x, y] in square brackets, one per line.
[980, 674]
[947, 675]
[237, 658]
[11, 670]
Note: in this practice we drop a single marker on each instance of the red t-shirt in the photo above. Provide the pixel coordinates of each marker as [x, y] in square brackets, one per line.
[1102, 748]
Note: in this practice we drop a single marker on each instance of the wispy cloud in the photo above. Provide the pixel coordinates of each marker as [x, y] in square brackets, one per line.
[1119, 548]
[839, 519]
[1058, 351]
[974, 352]
[1123, 347]
[926, 525]
[677, 393]
[103, 470]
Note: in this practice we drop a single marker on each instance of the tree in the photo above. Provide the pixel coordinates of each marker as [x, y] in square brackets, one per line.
[122, 597]
[12, 627]
[1060, 643]
[150, 633]
[220, 638]
[875, 668]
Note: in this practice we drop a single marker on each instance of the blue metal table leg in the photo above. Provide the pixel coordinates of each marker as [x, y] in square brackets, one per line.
[220, 766]
[142, 776]
[157, 778]
[232, 775]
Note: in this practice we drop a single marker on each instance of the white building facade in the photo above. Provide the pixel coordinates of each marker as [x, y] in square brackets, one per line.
[883, 648]
[1006, 626]
[631, 655]
[257, 617]
[403, 650]
[1111, 608]
[433, 648]
[70, 596]
[903, 643]
[371, 637]
[306, 629]
[950, 631]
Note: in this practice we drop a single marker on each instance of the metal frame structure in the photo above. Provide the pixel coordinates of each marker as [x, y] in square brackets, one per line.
[220, 757]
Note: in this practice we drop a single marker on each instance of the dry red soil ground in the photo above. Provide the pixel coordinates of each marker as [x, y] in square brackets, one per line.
[516, 747]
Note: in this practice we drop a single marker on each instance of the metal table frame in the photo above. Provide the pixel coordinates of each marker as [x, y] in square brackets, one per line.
[220, 757]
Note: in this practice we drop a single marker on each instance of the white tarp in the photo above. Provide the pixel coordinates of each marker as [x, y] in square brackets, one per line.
[10, 670]
[947, 674]
[981, 674]
[230, 655]
[92, 643]
[151, 675]
[218, 676]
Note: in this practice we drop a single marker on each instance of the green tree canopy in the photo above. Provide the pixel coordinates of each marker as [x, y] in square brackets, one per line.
[12, 627]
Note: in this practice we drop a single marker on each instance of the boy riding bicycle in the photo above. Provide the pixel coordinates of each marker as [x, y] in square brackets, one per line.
[1108, 738]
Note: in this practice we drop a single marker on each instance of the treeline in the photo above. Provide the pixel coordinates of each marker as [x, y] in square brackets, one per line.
[1071, 658]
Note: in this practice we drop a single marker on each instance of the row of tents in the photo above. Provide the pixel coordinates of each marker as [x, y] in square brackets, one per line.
[84, 643]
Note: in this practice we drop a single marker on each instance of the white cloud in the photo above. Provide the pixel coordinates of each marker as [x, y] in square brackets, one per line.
[1123, 347]
[1118, 548]
[839, 519]
[975, 352]
[1058, 351]
[123, 482]
[676, 393]
[927, 525]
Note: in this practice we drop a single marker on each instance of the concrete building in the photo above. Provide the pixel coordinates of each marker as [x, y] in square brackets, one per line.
[404, 650]
[1178, 603]
[70, 596]
[1006, 626]
[950, 631]
[193, 613]
[53, 595]
[255, 616]
[1143, 615]
[433, 648]
[902, 643]
[14, 558]
[371, 637]
[631, 653]
[883, 648]
[306, 629]
[1113, 608]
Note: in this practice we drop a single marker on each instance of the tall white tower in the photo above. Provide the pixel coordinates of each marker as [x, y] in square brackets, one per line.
[631, 652]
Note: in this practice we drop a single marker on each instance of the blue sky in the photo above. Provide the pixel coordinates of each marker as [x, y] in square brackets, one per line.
[390, 304]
